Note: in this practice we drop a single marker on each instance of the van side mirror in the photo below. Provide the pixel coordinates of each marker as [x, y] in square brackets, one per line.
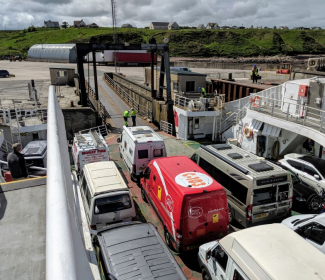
[316, 176]
[118, 140]
[208, 254]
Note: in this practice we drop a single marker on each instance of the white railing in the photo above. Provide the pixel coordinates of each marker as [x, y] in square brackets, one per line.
[290, 111]
[141, 110]
[65, 254]
[166, 127]
[190, 104]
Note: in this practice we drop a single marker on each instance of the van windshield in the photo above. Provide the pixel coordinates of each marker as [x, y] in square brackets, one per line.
[112, 204]
[34, 162]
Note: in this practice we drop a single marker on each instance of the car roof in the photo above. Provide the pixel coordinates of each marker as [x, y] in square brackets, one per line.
[172, 169]
[104, 177]
[320, 218]
[274, 252]
[140, 255]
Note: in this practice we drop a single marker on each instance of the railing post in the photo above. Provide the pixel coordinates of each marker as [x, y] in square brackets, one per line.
[288, 110]
[272, 108]
[305, 116]
[321, 121]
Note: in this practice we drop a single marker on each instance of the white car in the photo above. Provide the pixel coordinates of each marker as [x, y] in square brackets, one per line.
[310, 227]
[310, 169]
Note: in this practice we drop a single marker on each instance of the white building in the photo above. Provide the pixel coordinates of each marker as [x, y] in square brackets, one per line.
[51, 24]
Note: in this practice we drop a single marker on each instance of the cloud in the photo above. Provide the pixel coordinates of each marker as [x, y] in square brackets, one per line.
[19, 14]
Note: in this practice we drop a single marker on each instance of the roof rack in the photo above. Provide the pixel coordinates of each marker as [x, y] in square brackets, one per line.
[137, 132]
[96, 139]
[81, 139]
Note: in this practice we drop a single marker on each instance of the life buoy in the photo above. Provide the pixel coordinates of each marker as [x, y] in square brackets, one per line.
[247, 132]
[256, 104]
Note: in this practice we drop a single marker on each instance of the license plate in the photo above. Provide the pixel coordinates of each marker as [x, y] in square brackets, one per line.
[260, 216]
[192, 247]
[141, 168]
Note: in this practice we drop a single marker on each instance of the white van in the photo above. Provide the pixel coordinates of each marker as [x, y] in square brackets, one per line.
[138, 146]
[106, 197]
[268, 252]
[87, 148]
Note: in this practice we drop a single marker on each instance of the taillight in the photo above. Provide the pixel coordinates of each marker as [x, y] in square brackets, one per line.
[249, 212]
[134, 168]
[93, 227]
[278, 162]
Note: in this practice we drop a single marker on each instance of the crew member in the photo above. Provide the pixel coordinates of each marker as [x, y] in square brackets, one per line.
[126, 115]
[16, 163]
[203, 92]
[133, 116]
[254, 73]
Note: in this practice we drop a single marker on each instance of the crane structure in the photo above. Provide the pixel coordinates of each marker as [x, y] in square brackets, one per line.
[115, 37]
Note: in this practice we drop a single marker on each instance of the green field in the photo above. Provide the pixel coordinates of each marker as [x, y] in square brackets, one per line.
[184, 42]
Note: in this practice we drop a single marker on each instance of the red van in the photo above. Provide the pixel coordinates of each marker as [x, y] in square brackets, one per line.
[191, 205]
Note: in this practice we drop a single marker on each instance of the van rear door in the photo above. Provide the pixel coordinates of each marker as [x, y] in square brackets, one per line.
[194, 219]
[142, 157]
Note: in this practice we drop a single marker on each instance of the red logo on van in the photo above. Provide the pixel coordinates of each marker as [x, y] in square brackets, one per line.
[195, 212]
[169, 203]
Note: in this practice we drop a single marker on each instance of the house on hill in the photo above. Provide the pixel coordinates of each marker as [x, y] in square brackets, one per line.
[284, 27]
[173, 26]
[126, 25]
[159, 25]
[51, 24]
[200, 26]
[212, 25]
[80, 23]
[92, 25]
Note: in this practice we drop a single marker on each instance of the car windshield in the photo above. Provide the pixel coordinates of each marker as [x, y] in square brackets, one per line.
[112, 203]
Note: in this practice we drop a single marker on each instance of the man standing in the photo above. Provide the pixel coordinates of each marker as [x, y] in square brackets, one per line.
[16, 163]
[126, 116]
[203, 92]
[254, 73]
[133, 116]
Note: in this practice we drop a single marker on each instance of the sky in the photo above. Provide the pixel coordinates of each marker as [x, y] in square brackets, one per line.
[19, 14]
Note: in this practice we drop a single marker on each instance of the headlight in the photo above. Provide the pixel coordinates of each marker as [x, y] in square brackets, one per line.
[301, 199]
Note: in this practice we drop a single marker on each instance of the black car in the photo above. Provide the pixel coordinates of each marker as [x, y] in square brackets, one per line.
[304, 197]
[4, 73]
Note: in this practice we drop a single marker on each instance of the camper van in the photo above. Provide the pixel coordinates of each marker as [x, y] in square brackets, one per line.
[258, 191]
[105, 195]
[268, 252]
[87, 148]
[138, 146]
[190, 204]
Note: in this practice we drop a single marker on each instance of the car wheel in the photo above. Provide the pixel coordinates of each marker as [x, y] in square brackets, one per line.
[143, 195]
[314, 203]
[167, 239]
[205, 274]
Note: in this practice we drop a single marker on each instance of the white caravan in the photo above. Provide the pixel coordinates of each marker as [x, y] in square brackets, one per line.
[268, 252]
[138, 146]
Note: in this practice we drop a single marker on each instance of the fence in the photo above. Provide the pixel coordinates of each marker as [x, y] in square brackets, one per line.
[189, 104]
[101, 108]
[141, 110]
[166, 127]
[99, 129]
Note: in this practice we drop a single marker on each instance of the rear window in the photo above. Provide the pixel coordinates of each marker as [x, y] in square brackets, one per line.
[34, 162]
[142, 154]
[157, 152]
[264, 196]
[112, 204]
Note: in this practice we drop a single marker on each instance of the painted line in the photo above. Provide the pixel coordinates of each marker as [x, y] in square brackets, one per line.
[106, 138]
[29, 179]
[187, 145]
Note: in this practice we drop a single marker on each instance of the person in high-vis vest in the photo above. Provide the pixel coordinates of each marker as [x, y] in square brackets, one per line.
[126, 115]
[203, 92]
[254, 73]
[133, 116]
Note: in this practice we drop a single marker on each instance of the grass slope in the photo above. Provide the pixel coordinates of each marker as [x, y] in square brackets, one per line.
[190, 43]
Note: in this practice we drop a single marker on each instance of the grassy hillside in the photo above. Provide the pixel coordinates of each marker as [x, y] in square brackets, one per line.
[188, 43]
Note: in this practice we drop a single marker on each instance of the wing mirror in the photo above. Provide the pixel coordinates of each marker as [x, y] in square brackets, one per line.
[141, 175]
[316, 176]
[208, 254]
[118, 140]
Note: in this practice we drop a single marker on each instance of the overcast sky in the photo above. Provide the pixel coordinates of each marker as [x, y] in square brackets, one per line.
[19, 14]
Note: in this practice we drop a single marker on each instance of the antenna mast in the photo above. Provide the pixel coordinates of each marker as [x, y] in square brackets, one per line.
[115, 38]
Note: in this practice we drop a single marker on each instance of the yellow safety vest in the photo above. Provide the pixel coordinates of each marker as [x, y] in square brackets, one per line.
[126, 114]
[254, 72]
[133, 113]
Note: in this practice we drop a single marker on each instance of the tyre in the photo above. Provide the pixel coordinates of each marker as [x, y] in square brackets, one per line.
[7, 76]
[143, 195]
[167, 239]
[314, 203]
[205, 274]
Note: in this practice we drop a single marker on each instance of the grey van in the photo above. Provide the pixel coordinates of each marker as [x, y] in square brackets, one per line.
[257, 191]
